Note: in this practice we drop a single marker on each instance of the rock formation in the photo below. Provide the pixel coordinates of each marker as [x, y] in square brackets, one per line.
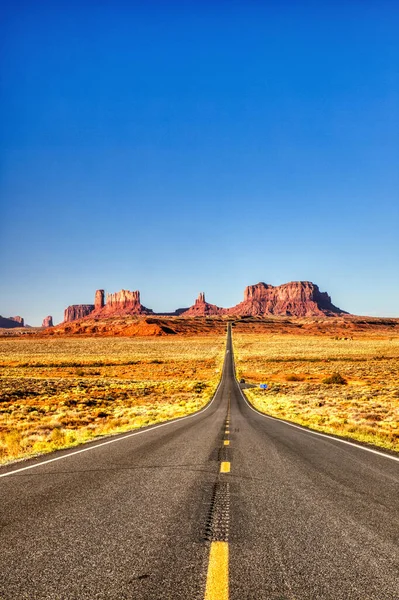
[123, 299]
[99, 300]
[11, 322]
[202, 308]
[120, 303]
[298, 298]
[47, 321]
[77, 311]
[19, 320]
[124, 303]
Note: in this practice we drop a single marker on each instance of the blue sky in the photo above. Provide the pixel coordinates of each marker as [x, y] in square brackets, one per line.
[178, 147]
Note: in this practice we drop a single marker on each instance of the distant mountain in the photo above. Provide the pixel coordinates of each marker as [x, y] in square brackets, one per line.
[117, 304]
[297, 299]
[202, 308]
[11, 322]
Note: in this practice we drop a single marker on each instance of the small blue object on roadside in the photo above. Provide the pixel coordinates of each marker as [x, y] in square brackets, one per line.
[263, 386]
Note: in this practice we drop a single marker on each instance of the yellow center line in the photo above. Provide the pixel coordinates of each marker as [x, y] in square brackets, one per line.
[226, 442]
[217, 580]
[225, 467]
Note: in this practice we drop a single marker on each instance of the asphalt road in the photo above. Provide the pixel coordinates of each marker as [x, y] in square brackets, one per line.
[150, 515]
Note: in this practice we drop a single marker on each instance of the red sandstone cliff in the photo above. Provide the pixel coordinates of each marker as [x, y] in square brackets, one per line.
[99, 300]
[19, 320]
[120, 303]
[77, 311]
[47, 321]
[123, 303]
[297, 298]
[202, 308]
[11, 322]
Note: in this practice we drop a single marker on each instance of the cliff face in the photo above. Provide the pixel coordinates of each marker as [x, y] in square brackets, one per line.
[123, 299]
[123, 302]
[11, 322]
[77, 311]
[120, 303]
[47, 321]
[99, 300]
[19, 320]
[298, 298]
[202, 308]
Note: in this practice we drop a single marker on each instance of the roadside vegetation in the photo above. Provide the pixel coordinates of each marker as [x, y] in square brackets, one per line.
[347, 387]
[56, 393]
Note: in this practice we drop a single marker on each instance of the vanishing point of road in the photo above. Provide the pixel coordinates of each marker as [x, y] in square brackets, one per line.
[225, 503]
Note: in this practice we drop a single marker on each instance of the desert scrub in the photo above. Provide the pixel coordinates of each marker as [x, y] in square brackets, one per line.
[60, 393]
[335, 378]
[344, 387]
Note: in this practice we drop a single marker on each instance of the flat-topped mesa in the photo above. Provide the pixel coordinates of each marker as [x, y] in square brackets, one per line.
[256, 292]
[123, 299]
[77, 311]
[124, 302]
[297, 298]
[19, 320]
[47, 321]
[120, 303]
[201, 308]
[9, 323]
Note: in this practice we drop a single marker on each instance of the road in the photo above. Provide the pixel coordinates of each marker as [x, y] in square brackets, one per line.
[223, 504]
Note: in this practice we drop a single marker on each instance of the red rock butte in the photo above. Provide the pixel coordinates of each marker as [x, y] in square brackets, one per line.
[117, 304]
[11, 322]
[47, 321]
[296, 299]
[202, 308]
[123, 303]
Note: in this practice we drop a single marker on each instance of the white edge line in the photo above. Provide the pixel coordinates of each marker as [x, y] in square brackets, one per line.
[306, 430]
[121, 438]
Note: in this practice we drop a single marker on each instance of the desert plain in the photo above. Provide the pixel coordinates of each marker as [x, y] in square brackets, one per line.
[335, 376]
[56, 393]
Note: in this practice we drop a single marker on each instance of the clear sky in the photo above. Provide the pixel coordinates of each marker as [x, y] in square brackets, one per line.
[179, 147]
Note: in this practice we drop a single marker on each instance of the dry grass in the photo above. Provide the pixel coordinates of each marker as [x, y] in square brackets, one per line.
[56, 393]
[301, 371]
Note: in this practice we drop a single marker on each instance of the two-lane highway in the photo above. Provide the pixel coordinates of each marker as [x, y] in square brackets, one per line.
[223, 504]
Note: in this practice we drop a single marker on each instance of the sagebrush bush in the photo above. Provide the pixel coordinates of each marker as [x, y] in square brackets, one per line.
[335, 378]
[295, 377]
